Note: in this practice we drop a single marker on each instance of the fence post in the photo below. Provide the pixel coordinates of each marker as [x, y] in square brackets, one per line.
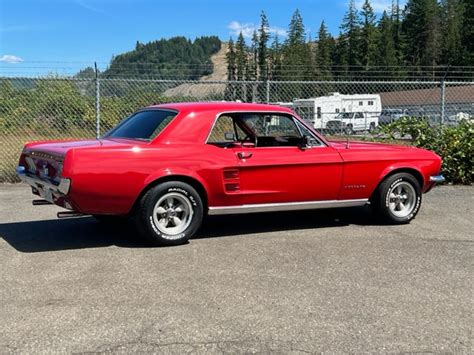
[97, 102]
[443, 100]
[268, 91]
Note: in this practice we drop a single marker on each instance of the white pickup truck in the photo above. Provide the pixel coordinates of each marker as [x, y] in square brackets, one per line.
[351, 122]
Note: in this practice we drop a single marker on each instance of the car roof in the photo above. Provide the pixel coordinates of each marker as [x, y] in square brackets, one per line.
[222, 106]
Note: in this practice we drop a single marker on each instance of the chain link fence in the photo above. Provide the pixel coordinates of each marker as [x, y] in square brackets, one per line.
[35, 109]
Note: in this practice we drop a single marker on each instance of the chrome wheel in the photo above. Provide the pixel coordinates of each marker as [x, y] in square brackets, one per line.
[401, 199]
[172, 215]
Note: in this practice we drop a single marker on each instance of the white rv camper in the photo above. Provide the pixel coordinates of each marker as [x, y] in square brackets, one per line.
[321, 110]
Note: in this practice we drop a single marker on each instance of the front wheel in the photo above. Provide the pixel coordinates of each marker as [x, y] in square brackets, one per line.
[169, 213]
[397, 199]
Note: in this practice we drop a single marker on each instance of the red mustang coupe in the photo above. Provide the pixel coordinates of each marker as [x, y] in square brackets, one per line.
[167, 166]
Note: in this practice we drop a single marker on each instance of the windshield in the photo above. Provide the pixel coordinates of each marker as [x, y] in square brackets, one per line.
[143, 125]
[345, 115]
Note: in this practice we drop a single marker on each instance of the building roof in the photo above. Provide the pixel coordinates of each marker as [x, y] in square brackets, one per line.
[454, 95]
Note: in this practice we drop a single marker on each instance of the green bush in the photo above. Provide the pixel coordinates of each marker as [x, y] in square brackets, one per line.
[453, 144]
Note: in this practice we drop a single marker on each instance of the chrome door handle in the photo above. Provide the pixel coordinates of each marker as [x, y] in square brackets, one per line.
[244, 155]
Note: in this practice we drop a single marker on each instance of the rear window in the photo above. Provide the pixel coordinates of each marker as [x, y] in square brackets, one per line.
[143, 125]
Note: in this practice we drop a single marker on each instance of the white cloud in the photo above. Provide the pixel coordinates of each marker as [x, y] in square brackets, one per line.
[89, 7]
[8, 58]
[247, 29]
[380, 6]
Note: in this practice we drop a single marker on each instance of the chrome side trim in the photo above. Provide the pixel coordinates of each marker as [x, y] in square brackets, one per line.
[437, 179]
[290, 206]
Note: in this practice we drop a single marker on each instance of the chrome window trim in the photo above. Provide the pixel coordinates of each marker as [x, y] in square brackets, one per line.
[292, 115]
[288, 206]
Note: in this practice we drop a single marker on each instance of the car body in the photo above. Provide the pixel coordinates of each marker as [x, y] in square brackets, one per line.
[223, 158]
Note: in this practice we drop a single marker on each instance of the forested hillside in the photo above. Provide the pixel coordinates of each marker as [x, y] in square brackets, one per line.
[426, 39]
[174, 58]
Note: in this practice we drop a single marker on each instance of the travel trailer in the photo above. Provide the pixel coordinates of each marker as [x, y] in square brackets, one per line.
[320, 110]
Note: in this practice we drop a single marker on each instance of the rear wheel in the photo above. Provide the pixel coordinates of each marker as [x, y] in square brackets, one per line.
[397, 199]
[169, 214]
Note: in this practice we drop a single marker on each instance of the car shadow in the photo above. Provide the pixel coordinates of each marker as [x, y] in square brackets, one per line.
[87, 232]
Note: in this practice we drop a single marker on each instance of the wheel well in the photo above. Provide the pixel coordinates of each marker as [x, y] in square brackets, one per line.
[183, 178]
[416, 174]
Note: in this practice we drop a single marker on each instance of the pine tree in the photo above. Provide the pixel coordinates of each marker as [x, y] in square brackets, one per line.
[368, 36]
[340, 57]
[263, 37]
[468, 33]
[241, 57]
[396, 24]
[275, 61]
[231, 71]
[421, 30]
[386, 51]
[323, 53]
[351, 36]
[252, 63]
[452, 18]
[241, 66]
[296, 52]
[231, 61]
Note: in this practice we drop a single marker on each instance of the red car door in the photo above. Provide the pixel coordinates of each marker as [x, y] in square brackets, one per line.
[275, 170]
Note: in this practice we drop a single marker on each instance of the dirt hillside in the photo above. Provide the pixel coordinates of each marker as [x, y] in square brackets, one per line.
[200, 91]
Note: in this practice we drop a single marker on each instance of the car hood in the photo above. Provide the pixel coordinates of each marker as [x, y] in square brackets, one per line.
[374, 151]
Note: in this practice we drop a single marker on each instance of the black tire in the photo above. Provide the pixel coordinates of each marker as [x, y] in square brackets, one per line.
[348, 130]
[372, 127]
[147, 220]
[383, 203]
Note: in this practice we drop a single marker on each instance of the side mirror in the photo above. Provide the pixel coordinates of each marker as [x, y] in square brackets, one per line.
[229, 136]
[305, 143]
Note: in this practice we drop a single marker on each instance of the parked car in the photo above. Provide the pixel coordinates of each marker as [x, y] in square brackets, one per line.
[168, 166]
[352, 122]
[391, 115]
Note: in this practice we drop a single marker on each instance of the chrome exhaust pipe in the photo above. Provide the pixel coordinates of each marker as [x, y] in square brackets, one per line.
[70, 214]
[41, 202]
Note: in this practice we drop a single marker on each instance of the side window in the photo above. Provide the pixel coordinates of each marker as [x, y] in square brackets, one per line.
[337, 110]
[223, 131]
[319, 112]
[361, 103]
[271, 125]
[359, 115]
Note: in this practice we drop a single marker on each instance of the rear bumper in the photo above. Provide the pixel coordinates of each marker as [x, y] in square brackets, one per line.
[56, 194]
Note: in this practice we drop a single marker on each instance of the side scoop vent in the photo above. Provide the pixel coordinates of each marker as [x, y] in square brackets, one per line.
[231, 180]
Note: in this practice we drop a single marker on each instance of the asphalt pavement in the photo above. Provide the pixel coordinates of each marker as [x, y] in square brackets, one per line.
[299, 282]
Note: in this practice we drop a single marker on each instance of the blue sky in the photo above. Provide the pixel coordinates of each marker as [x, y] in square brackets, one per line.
[40, 35]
